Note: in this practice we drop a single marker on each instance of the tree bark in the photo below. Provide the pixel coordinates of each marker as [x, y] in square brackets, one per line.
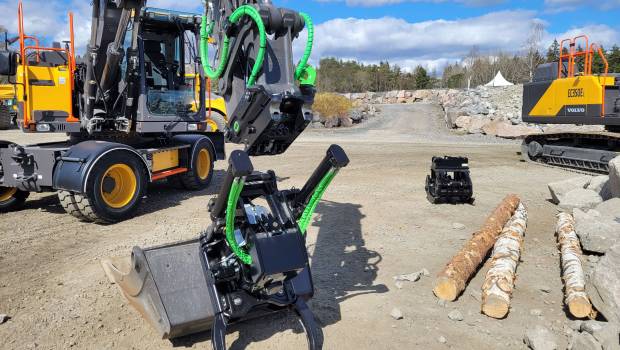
[575, 296]
[453, 279]
[499, 282]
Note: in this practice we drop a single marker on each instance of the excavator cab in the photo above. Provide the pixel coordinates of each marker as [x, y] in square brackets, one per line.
[167, 42]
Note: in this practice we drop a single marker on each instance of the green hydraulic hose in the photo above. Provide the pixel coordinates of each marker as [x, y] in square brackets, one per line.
[207, 28]
[303, 62]
[304, 221]
[260, 56]
[231, 207]
[205, 32]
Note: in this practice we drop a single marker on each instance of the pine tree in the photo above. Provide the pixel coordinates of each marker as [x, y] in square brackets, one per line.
[553, 53]
[422, 80]
[613, 58]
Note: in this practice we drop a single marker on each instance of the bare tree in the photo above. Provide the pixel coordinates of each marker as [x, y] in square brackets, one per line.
[532, 45]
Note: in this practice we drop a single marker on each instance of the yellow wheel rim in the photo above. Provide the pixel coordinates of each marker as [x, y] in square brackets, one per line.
[7, 193]
[118, 186]
[203, 164]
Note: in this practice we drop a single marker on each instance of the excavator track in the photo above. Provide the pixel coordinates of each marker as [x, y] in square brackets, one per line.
[584, 153]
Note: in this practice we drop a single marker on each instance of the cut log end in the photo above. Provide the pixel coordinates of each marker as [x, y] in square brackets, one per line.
[445, 288]
[580, 307]
[495, 307]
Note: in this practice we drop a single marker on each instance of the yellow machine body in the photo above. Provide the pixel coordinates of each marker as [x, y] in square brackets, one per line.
[575, 91]
[44, 92]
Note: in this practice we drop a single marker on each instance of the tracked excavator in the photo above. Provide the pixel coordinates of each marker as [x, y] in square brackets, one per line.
[252, 260]
[570, 92]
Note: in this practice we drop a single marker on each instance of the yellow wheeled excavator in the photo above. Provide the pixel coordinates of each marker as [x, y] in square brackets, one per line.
[571, 92]
[131, 114]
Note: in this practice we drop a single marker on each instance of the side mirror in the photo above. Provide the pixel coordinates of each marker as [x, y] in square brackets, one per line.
[8, 63]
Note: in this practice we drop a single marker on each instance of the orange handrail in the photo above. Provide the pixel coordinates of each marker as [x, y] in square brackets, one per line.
[595, 48]
[562, 56]
[22, 52]
[588, 53]
[36, 42]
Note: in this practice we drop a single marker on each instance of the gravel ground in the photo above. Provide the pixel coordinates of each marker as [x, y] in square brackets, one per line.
[373, 224]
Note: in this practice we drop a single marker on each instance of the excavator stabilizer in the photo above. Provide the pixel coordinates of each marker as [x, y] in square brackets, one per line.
[168, 286]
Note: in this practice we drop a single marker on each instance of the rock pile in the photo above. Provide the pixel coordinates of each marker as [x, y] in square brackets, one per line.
[358, 114]
[492, 111]
[595, 204]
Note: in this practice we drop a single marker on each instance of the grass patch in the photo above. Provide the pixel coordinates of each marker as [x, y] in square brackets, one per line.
[330, 105]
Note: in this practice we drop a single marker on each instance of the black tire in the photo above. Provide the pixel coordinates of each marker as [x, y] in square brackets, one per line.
[96, 206]
[195, 178]
[6, 118]
[12, 199]
[70, 205]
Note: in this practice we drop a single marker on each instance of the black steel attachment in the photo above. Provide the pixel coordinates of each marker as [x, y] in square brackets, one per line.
[449, 181]
[252, 260]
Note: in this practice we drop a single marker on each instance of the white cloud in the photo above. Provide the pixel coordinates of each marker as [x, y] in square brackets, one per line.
[433, 43]
[572, 5]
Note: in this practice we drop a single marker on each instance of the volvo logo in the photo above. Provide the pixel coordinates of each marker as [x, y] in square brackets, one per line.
[576, 109]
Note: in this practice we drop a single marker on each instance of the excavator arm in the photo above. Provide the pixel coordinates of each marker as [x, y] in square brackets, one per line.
[255, 72]
[105, 52]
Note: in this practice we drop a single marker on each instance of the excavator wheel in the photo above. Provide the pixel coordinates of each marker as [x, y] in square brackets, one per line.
[6, 119]
[71, 206]
[200, 172]
[11, 198]
[114, 190]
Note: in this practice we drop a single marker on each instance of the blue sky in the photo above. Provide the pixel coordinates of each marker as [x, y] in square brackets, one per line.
[406, 32]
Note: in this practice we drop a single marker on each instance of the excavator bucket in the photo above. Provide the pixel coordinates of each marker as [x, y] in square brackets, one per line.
[168, 286]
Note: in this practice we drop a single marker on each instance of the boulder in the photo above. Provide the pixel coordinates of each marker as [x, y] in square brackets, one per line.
[560, 188]
[604, 285]
[420, 95]
[584, 341]
[610, 209]
[477, 124]
[580, 198]
[600, 185]
[463, 122]
[332, 123]
[507, 130]
[605, 333]
[540, 338]
[346, 122]
[596, 232]
[614, 177]
[451, 116]
[357, 115]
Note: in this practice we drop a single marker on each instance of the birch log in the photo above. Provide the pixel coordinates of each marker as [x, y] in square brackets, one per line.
[499, 281]
[575, 296]
[452, 280]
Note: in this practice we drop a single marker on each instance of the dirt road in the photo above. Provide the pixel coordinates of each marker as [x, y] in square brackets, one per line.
[374, 223]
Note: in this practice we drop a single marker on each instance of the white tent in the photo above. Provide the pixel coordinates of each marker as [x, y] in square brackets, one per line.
[499, 80]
